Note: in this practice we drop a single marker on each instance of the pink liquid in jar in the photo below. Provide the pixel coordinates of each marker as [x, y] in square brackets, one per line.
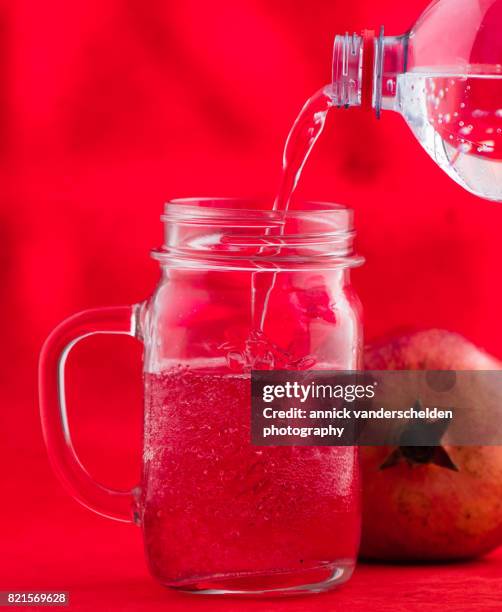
[219, 511]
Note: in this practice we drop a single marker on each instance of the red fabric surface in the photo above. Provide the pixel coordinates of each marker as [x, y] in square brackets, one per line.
[102, 567]
[106, 110]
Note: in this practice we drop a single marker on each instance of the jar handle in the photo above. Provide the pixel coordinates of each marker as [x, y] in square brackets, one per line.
[118, 505]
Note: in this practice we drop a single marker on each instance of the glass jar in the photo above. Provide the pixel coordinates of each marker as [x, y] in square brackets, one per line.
[242, 288]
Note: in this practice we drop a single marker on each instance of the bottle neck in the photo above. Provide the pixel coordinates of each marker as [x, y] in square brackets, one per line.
[366, 68]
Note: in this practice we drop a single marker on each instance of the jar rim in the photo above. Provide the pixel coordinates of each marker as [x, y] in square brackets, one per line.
[247, 233]
[222, 206]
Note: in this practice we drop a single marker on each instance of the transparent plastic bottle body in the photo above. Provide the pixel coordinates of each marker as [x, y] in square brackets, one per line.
[444, 77]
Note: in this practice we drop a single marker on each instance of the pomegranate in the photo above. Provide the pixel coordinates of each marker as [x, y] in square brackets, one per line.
[437, 502]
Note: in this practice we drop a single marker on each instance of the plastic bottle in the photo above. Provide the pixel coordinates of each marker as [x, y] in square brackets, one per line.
[444, 77]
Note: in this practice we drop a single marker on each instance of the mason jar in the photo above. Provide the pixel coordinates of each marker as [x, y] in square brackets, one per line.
[241, 288]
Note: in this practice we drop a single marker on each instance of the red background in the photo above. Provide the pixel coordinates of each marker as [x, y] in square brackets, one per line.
[107, 109]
